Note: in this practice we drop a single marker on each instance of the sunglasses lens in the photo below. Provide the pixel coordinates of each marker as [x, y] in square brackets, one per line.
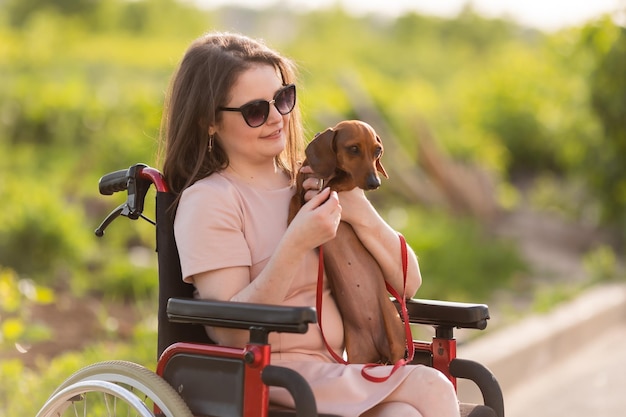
[285, 99]
[255, 114]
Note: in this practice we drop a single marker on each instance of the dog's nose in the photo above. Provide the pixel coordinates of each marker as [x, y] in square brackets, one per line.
[373, 182]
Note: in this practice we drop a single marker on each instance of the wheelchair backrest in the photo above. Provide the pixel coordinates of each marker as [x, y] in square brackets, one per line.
[170, 279]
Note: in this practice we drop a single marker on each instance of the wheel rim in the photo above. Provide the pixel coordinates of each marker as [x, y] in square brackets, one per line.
[95, 398]
[151, 389]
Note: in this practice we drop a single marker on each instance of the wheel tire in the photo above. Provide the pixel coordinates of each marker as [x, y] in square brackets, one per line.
[105, 394]
[137, 379]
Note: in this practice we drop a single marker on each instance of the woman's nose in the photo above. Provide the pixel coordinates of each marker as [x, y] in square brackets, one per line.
[274, 116]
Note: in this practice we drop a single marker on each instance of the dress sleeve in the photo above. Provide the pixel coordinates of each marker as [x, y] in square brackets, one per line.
[209, 228]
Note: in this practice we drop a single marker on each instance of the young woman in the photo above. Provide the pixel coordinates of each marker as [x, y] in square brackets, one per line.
[233, 137]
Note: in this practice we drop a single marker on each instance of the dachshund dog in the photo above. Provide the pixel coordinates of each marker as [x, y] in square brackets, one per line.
[348, 156]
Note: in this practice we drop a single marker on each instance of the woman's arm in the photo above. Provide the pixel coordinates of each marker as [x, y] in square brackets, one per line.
[381, 240]
[314, 224]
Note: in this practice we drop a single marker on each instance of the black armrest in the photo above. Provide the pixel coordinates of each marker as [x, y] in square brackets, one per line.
[447, 313]
[241, 315]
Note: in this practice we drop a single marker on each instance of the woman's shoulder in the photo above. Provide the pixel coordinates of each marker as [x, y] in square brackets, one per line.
[214, 188]
[214, 181]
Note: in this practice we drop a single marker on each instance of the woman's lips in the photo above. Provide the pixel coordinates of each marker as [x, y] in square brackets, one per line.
[274, 135]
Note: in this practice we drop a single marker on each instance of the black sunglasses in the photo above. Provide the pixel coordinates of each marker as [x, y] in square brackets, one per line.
[256, 112]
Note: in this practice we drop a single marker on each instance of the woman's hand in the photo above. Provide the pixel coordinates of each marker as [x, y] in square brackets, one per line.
[317, 221]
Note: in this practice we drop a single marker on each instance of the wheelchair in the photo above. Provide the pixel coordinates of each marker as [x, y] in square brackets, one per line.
[196, 377]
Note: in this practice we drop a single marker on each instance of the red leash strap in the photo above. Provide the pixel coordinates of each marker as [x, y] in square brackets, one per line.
[392, 291]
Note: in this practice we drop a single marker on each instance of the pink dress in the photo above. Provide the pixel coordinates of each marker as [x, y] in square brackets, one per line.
[223, 222]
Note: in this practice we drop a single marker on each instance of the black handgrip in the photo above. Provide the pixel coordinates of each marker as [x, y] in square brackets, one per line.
[113, 182]
[484, 380]
[295, 384]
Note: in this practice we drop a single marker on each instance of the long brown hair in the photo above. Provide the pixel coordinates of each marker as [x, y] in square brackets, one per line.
[200, 85]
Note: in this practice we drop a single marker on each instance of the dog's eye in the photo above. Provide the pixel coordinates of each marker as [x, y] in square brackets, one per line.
[354, 150]
[378, 152]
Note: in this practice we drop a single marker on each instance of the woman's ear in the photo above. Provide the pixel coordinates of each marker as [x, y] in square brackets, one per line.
[205, 123]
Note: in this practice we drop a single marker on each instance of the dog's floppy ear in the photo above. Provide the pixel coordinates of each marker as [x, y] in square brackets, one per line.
[379, 165]
[320, 153]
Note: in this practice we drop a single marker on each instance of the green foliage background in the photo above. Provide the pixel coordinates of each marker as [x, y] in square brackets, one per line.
[82, 84]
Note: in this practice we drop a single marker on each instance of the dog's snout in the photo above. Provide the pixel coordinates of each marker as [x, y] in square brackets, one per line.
[373, 182]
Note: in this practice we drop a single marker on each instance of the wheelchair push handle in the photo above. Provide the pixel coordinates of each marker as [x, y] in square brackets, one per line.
[113, 182]
[136, 180]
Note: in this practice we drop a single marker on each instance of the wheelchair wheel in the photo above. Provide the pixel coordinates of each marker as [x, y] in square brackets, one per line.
[145, 385]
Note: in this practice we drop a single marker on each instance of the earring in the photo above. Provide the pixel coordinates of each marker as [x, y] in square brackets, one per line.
[210, 143]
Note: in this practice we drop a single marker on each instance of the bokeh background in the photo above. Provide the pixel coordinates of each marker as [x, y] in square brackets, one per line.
[505, 139]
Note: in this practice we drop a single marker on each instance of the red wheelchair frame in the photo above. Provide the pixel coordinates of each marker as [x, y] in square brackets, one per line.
[223, 381]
